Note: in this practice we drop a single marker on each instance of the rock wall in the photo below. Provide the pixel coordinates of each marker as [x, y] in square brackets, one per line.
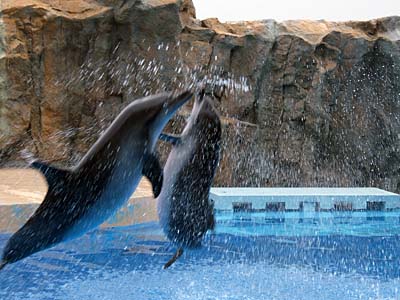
[323, 107]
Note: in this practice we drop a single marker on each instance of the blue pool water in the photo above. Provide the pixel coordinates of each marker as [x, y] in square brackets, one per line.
[307, 256]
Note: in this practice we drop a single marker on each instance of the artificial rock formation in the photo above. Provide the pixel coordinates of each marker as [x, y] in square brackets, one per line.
[322, 109]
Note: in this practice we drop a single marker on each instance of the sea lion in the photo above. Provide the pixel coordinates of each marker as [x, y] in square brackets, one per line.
[81, 198]
[184, 208]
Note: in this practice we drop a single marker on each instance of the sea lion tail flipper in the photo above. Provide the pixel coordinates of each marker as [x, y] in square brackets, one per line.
[174, 258]
[53, 175]
[211, 216]
[153, 171]
[170, 138]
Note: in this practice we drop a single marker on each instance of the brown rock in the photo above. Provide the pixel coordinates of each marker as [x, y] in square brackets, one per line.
[322, 109]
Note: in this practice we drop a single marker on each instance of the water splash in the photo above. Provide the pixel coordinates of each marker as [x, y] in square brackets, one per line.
[132, 74]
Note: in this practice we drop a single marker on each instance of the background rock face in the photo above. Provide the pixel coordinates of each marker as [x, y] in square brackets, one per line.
[323, 108]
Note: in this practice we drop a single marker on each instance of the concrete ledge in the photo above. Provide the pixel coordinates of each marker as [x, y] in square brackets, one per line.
[302, 199]
[22, 191]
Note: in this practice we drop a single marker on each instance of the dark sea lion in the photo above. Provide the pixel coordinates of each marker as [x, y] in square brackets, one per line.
[81, 198]
[184, 208]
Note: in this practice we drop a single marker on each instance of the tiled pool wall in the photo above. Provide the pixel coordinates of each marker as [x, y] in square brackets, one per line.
[310, 205]
[303, 199]
[237, 200]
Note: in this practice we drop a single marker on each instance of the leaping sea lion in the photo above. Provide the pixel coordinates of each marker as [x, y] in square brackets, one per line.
[81, 198]
[184, 208]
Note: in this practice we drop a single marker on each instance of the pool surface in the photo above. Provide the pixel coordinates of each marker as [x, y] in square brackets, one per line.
[299, 255]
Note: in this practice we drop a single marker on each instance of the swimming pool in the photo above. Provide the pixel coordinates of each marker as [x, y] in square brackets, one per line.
[279, 255]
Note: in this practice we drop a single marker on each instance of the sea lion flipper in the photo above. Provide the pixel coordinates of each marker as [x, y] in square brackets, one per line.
[2, 264]
[153, 171]
[170, 138]
[211, 216]
[53, 175]
[174, 258]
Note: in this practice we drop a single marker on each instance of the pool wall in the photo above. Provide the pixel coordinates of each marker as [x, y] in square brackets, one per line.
[304, 199]
[144, 209]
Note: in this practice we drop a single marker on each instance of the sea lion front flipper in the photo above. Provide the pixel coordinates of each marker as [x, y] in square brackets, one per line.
[53, 175]
[2, 264]
[153, 171]
[170, 138]
[174, 258]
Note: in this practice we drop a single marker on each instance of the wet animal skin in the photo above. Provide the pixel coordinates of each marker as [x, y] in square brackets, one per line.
[81, 198]
[184, 208]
